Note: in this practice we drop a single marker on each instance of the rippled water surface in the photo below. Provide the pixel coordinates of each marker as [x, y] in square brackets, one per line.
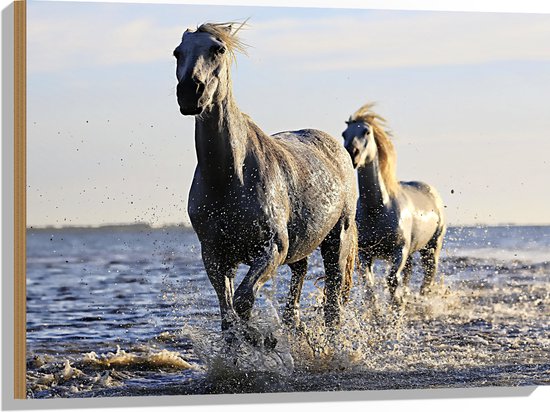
[129, 311]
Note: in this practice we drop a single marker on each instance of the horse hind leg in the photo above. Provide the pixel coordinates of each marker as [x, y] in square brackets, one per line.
[291, 315]
[338, 250]
[430, 261]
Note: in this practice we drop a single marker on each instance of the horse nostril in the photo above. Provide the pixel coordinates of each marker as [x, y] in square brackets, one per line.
[355, 151]
[190, 89]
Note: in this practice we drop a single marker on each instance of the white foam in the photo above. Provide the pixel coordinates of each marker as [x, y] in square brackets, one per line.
[121, 358]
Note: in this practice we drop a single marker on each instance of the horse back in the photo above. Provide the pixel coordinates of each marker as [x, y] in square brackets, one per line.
[317, 182]
[307, 142]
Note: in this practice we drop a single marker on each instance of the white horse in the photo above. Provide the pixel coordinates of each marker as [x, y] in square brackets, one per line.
[394, 219]
[261, 200]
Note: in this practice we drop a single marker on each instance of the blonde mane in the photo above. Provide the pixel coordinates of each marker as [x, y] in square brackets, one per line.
[382, 136]
[225, 33]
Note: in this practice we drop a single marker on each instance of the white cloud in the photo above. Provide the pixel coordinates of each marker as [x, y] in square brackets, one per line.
[64, 44]
[339, 43]
[431, 39]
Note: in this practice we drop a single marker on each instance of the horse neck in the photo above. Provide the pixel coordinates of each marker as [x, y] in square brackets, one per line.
[373, 194]
[220, 141]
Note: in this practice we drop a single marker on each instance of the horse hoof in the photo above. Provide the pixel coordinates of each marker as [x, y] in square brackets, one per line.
[255, 338]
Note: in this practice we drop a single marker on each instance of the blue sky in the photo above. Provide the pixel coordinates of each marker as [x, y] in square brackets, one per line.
[465, 94]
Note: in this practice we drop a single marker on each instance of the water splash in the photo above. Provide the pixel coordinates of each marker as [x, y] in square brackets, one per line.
[487, 324]
[237, 356]
[93, 372]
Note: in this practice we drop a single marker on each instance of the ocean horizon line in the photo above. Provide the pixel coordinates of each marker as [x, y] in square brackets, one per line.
[109, 226]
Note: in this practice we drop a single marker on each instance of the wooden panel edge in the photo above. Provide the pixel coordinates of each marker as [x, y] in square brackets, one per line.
[20, 203]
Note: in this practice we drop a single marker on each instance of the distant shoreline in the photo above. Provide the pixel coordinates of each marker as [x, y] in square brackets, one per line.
[111, 227]
[132, 227]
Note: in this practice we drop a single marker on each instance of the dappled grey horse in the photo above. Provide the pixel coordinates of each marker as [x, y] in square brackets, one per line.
[261, 200]
[394, 219]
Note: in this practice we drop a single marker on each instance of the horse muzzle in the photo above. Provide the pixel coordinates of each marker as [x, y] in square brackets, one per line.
[190, 111]
[189, 93]
[354, 155]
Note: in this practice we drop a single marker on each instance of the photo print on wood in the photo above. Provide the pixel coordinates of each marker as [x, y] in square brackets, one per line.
[245, 199]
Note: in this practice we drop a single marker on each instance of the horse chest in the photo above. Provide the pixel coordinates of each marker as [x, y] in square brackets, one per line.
[380, 234]
[231, 220]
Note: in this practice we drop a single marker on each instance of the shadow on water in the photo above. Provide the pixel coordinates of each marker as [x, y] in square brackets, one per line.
[261, 382]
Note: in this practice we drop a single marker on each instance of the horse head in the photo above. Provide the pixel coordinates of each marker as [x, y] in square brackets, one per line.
[359, 142]
[204, 57]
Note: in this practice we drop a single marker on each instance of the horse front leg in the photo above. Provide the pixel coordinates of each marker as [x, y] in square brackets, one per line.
[394, 279]
[260, 272]
[407, 272]
[367, 275]
[221, 274]
[291, 315]
[366, 263]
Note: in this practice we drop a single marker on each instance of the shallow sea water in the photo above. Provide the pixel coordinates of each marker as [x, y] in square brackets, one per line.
[129, 311]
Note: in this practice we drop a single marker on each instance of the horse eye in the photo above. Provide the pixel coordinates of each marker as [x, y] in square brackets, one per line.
[218, 49]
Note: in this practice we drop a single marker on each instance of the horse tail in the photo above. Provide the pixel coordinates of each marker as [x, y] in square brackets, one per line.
[347, 281]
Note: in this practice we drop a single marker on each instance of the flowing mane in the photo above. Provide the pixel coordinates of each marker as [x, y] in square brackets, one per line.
[382, 136]
[225, 33]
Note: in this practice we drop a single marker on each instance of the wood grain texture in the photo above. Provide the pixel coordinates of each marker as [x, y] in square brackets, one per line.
[20, 206]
